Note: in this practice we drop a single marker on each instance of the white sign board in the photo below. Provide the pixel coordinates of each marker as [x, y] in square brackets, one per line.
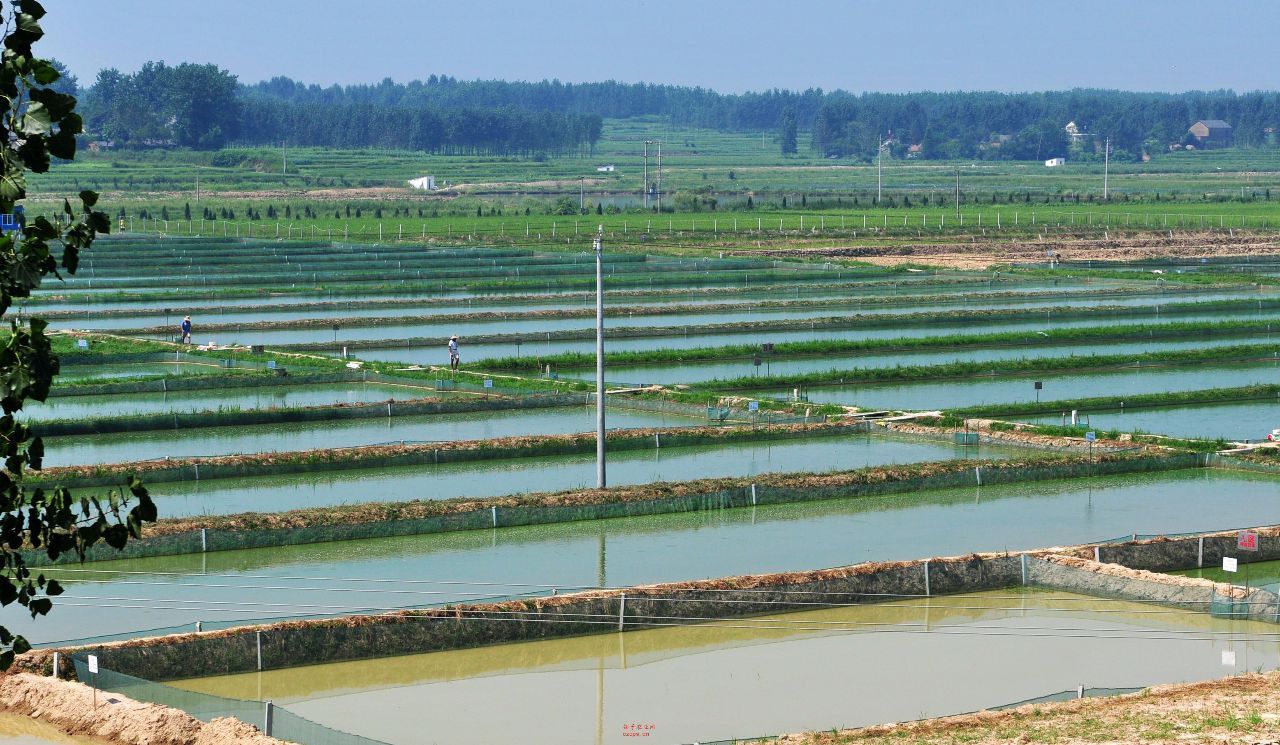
[1229, 564]
[1090, 436]
[83, 343]
[1229, 657]
[93, 664]
[753, 406]
[488, 382]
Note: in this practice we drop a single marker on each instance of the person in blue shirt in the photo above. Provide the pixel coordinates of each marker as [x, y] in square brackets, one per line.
[186, 330]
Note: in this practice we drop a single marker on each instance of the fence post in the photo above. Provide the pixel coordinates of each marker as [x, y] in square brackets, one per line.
[622, 610]
[1024, 569]
[57, 660]
[258, 644]
[268, 717]
[926, 578]
[204, 540]
[753, 495]
[1200, 552]
[495, 516]
[1097, 554]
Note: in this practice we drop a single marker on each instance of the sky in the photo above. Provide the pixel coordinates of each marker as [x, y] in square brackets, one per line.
[730, 46]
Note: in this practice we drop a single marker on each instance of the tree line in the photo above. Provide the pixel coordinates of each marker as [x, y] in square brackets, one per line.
[1031, 126]
[205, 107]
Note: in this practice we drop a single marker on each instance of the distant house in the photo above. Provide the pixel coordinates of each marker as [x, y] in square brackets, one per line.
[1055, 162]
[606, 169]
[1211, 133]
[1075, 133]
[423, 182]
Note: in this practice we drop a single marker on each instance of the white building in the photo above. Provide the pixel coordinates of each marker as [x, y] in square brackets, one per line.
[606, 169]
[423, 182]
[1055, 162]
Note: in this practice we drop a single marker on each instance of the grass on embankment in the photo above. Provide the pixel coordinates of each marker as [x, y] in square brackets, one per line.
[960, 370]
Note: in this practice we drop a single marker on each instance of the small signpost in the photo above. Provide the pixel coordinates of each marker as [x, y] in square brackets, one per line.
[754, 408]
[1089, 437]
[82, 344]
[1039, 387]
[1247, 540]
[93, 670]
[488, 382]
[1229, 564]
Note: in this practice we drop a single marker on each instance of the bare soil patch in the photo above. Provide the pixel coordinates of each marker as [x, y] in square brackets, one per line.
[1240, 709]
[983, 254]
[116, 719]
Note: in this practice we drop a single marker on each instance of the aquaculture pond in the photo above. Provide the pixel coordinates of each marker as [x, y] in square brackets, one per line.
[765, 675]
[781, 364]
[474, 425]
[261, 397]
[691, 337]
[485, 478]
[81, 372]
[224, 588]
[810, 307]
[1264, 574]
[1235, 421]
[947, 394]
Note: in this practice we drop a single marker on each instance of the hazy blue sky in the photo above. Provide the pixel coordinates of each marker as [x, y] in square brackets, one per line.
[1008, 45]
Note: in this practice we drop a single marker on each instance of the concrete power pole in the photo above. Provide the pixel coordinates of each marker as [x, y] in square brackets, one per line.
[647, 143]
[659, 194]
[1106, 168]
[600, 431]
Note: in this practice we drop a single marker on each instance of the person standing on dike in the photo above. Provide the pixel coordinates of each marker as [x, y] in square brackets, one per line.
[186, 330]
[454, 358]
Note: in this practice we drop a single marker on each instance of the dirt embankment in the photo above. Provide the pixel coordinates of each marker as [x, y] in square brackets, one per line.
[980, 254]
[1240, 710]
[116, 719]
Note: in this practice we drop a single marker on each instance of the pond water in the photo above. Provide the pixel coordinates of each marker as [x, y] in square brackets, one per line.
[765, 675]
[547, 473]
[475, 425]
[225, 588]
[1236, 421]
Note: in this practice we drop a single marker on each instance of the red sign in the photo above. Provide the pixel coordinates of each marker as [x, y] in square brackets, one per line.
[1247, 540]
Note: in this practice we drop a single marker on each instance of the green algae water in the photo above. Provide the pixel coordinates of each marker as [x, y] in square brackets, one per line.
[226, 588]
[767, 675]
[211, 441]
[488, 478]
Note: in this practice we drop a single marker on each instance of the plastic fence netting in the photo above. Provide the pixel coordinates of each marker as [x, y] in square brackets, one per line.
[285, 724]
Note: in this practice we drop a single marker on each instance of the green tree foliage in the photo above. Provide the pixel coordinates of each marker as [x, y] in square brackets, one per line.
[38, 123]
[190, 105]
[787, 131]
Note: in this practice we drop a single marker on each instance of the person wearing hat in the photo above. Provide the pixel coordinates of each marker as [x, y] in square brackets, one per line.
[454, 359]
[186, 330]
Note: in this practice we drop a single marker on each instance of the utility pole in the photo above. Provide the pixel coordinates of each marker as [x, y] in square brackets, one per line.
[956, 199]
[879, 167]
[197, 184]
[284, 156]
[1106, 168]
[599, 245]
[647, 143]
[582, 180]
[659, 194]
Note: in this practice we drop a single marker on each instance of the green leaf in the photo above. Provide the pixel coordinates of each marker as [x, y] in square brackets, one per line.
[37, 120]
[89, 198]
[44, 72]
